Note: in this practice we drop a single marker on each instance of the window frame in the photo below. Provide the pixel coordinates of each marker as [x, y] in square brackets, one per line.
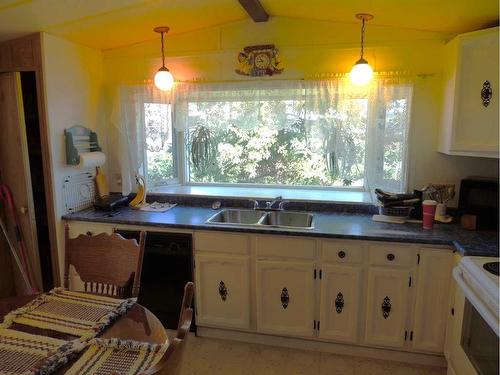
[181, 155]
[175, 147]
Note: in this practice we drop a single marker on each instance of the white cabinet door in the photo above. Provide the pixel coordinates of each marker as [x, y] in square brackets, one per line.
[285, 298]
[476, 127]
[340, 303]
[432, 300]
[470, 115]
[222, 291]
[387, 307]
[451, 316]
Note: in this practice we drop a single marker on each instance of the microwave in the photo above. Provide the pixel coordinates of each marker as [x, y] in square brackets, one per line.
[479, 197]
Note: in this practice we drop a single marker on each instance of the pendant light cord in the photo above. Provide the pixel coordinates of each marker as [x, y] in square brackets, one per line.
[362, 36]
[162, 52]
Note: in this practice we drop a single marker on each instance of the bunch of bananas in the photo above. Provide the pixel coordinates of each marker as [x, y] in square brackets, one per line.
[140, 198]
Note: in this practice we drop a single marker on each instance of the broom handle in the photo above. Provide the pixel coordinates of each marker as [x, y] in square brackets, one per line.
[16, 257]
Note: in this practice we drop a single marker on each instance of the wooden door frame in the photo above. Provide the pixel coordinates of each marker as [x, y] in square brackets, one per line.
[25, 55]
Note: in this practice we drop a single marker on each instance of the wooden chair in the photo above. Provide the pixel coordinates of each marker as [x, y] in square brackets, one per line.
[171, 361]
[9, 304]
[107, 264]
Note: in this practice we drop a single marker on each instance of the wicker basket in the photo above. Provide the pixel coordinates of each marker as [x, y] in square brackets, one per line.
[399, 211]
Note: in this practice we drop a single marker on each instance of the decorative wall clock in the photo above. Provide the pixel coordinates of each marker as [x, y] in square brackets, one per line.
[257, 61]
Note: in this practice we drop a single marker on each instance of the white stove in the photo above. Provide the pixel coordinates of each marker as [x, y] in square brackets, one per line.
[477, 348]
[478, 278]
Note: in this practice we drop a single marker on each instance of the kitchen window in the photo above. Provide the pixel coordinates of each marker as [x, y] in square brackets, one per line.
[309, 134]
[160, 154]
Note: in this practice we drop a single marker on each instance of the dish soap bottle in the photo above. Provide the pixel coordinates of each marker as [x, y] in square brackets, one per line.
[101, 184]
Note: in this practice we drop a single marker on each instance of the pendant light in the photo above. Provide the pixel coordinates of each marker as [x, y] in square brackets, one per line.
[164, 80]
[362, 72]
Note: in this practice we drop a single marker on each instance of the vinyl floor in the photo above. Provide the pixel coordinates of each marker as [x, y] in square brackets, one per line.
[214, 356]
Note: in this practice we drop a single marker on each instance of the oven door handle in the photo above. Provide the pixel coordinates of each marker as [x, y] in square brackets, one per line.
[474, 299]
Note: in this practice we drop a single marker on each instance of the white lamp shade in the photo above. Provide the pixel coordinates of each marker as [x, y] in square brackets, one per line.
[164, 80]
[361, 73]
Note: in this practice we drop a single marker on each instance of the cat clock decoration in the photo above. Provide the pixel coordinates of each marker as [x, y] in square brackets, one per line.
[257, 61]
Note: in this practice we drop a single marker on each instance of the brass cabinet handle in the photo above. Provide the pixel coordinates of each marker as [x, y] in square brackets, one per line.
[341, 254]
[391, 257]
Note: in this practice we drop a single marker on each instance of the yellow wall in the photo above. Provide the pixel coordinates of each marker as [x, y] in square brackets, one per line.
[73, 77]
[309, 49]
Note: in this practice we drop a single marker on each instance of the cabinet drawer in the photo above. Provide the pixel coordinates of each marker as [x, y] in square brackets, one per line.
[285, 247]
[342, 251]
[391, 255]
[221, 242]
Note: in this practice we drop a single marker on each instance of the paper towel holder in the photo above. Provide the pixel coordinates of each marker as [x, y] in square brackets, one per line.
[79, 139]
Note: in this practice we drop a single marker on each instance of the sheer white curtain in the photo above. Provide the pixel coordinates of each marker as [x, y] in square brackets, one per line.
[257, 96]
[129, 119]
[388, 131]
[356, 136]
[365, 128]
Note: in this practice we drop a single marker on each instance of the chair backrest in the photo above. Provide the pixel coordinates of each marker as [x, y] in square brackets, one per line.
[107, 263]
[171, 361]
[186, 316]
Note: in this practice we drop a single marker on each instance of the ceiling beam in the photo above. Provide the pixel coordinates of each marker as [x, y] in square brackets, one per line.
[255, 10]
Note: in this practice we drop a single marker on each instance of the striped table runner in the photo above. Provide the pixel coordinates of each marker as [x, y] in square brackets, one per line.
[124, 357]
[24, 353]
[79, 314]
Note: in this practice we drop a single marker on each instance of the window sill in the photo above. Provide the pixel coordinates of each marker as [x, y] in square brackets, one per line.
[302, 195]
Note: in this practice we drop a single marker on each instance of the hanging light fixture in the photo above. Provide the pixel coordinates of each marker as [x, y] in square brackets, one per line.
[164, 80]
[362, 72]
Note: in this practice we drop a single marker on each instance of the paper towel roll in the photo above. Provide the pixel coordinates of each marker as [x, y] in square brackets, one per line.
[90, 160]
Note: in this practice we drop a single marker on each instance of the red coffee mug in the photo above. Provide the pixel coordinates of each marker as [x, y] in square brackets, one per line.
[429, 208]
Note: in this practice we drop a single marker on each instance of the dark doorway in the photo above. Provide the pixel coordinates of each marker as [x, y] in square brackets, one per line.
[31, 117]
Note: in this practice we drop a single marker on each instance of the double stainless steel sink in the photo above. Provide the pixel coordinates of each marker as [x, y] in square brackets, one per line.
[272, 219]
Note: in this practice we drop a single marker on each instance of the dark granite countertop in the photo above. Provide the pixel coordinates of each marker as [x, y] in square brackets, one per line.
[328, 225]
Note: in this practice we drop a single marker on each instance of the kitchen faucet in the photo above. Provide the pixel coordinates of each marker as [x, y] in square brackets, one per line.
[270, 204]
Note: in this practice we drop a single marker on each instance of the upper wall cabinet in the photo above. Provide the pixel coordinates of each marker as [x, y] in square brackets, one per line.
[20, 54]
[471, 96]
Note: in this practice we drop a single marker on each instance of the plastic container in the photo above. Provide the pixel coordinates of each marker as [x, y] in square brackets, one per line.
[396, 211]
[429, 208]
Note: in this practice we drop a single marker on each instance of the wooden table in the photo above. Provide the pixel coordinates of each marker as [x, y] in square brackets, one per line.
[138, 324]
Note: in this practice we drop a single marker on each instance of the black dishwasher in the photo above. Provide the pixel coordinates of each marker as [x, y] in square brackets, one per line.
[167, 266]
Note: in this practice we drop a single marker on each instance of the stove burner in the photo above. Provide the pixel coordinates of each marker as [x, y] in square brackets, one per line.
[491, 267]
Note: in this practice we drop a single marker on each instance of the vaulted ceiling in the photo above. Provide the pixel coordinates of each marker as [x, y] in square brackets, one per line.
[107, 24]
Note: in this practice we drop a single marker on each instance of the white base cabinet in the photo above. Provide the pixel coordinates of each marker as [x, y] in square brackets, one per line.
[432, 300]
[285, 298]
[340, 303]
[387, 307]
[373, 294]
[223, 290]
